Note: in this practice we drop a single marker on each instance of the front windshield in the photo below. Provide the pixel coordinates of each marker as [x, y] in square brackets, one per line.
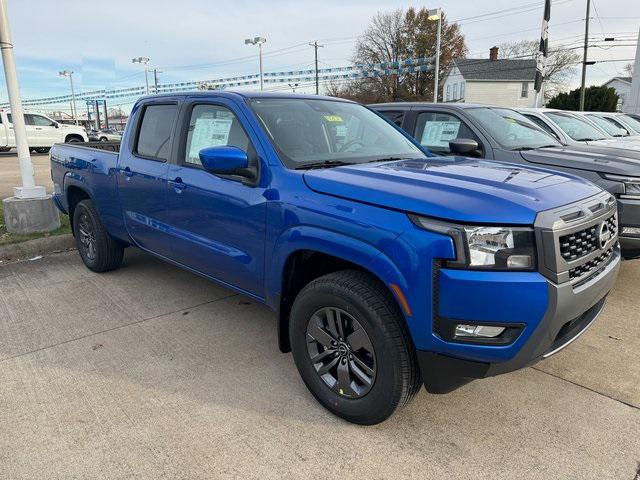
[607, 126]
[309, 132]
[512, 130]
[577, 128]
[631, 122]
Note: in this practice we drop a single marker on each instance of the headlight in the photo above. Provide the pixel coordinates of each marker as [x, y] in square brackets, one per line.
[631, 184]
[486, 248]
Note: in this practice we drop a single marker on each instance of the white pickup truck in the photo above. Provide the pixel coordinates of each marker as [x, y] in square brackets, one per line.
[42, 132]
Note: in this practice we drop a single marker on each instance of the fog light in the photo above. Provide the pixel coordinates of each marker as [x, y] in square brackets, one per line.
[630, 230]
[486, 331]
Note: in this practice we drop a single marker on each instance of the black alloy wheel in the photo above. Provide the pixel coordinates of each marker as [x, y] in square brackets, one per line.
[87, 236]
[341, 352]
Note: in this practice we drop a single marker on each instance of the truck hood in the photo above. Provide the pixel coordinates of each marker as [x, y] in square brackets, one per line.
[596, 159]
[453, 188]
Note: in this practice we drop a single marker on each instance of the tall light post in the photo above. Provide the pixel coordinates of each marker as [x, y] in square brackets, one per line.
[74, 110]
[436, 15]
[259, 41]
[144, 61]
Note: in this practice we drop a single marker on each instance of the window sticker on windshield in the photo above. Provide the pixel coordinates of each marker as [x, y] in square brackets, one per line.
[438, 134]
[333, 118]
[209, 132]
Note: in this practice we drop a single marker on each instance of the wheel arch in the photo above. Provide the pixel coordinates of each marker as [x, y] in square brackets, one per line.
[75, 194]
[306, 253]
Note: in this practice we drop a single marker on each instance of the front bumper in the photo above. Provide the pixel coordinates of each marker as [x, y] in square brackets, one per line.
[570, 311]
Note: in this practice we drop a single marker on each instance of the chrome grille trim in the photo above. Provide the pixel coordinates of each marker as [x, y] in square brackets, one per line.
[567, 225]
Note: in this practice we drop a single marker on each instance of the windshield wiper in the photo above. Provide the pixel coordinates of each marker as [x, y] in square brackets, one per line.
[385, 159]
[523, 149]
[323, 164]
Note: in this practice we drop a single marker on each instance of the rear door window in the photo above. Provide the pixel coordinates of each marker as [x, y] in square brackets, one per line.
[154, 136]
[435, 130]
[542, 124]
[394, 116]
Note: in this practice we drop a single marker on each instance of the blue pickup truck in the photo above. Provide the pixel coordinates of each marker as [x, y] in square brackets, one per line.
[388, 267]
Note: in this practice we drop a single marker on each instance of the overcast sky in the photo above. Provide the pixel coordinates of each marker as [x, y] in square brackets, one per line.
[199, 39]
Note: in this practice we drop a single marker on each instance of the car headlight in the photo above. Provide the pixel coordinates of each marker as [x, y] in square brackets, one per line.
[631, 184]
[486, 247]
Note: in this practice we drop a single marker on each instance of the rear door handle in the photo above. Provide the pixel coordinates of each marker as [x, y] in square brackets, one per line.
[177, 184]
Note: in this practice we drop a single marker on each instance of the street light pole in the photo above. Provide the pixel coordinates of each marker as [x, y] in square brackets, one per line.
[144, 61]
[259, 41]
[74, 109]
[584, 57]
[29, 188]
[436, 14]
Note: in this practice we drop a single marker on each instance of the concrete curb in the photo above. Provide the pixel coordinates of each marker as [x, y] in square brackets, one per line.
[36, 247]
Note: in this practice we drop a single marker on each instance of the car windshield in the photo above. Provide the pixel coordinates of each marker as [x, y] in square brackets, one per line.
[512, 130]
[577, 128]
[320, 132]
[631, 122]
[607, 126]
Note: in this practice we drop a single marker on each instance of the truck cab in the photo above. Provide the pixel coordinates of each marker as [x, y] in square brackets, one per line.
[387, 267]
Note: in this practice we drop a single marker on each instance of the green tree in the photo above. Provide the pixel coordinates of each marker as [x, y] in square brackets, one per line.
[596, 99]
[396, 36]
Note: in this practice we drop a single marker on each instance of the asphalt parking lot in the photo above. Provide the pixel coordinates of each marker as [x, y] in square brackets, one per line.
[152, 372]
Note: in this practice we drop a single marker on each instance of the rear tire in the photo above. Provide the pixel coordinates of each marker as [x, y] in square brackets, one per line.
[98, 250]
[43, 149]
[358, 299]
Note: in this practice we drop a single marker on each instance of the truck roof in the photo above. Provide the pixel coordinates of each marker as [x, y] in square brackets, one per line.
[245, 94]
[403, 105]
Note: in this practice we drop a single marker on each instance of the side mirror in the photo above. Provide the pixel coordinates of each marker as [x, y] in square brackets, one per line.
[226, 160]
[463, 146]
[56, 124]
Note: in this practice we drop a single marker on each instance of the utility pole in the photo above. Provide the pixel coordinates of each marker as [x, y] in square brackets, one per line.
[315, 45]
[155, 80]
[584, 58]
[30, 209]
[541, 57]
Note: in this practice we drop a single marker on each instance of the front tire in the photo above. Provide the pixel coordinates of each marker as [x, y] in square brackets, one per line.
[351, 347]
[43, 149]
[99, 252]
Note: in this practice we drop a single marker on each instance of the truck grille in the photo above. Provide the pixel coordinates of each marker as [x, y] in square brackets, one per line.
[577, 241]
[583, 242]
[592, 266]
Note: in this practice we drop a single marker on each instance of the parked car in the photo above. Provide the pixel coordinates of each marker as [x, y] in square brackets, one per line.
[628, 126]
[104, 135]
[572, 129]
[503, 134]
[42, 132]
[387, 267]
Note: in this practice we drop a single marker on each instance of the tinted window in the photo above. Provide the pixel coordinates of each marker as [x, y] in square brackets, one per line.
[632, 122]
[155, 131]
[28, 120]
[542, 124]
[310, 131]
[576, 128]
[510, 129]
[607, 126]
[394, 116]
[213, 126]
[40, 121]
[434, 130]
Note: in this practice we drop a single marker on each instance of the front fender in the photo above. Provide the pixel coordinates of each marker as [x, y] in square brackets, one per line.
[331, 243]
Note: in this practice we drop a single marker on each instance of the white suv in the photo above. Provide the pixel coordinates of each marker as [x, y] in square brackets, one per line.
[42, 132]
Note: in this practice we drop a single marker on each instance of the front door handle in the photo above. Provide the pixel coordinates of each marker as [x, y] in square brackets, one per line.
[126, 171]
[177, 184]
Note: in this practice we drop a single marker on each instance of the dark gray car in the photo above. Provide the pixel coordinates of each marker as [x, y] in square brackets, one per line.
[503, 134]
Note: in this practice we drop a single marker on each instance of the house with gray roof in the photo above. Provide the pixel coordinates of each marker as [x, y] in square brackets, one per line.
[491, 81]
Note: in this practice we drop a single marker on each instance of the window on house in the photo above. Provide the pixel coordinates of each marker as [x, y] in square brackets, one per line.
[455, 91]
[525, 90]
[462, 90]
[448, 93]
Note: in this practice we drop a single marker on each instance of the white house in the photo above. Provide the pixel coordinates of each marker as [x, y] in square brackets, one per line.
[622, 86]
[492, 81]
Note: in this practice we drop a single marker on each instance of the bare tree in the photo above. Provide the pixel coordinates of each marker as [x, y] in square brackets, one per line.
[393, 37]
[628, 69]
[560, 66]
